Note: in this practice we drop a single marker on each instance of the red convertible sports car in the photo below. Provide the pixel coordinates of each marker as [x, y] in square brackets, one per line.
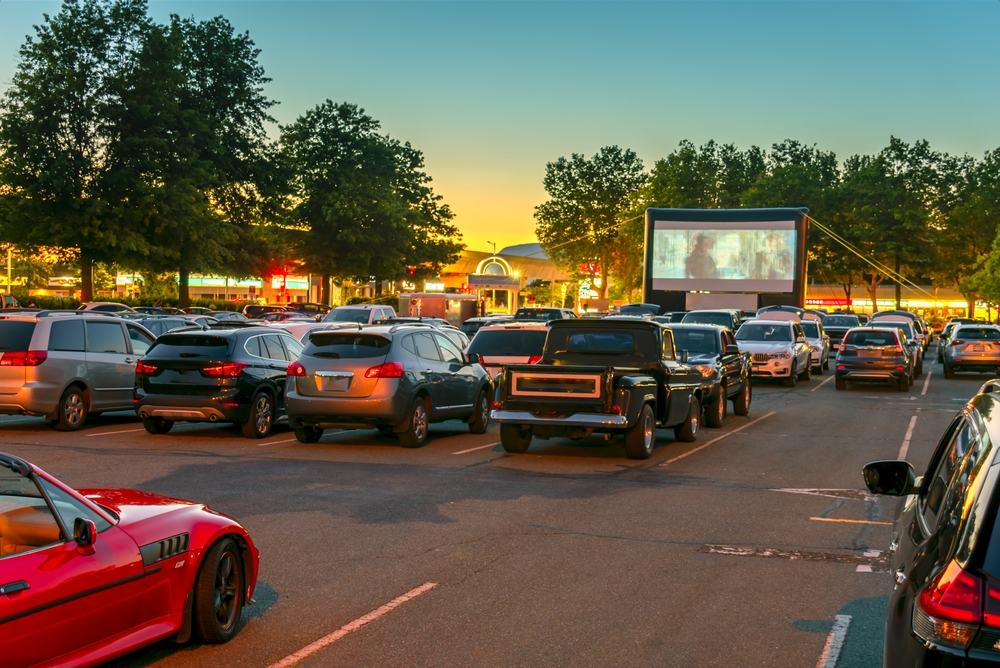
[92, 574]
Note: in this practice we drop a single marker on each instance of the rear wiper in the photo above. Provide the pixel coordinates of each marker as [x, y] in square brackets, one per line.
[326, 354]
[188, 354]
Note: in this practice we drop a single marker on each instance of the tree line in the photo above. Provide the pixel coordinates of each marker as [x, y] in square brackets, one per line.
[144, 145]
[907, 210]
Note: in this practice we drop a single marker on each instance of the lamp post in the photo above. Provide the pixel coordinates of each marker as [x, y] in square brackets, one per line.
[494, 246]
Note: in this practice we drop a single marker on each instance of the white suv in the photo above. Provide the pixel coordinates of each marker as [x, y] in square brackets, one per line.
[778, 349]
[363, 314]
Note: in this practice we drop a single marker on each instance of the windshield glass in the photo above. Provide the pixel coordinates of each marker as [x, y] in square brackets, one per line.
[696, 340]
[966, 334]
[750, 332]
[723, 319]
[811, 328]
[841, 321]
[513, 342]
[358, 315]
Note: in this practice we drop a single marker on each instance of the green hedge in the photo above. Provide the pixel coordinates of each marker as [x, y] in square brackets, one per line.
[41, 301]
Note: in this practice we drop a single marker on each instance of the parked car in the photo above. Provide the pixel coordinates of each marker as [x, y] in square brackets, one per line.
[627, 309]
[67, 366]
[106, 307]
[198, 310]
[397, 378]
[778, 349]
[507, 343]
[313, 308]
[728, 318]
[944, 556]
[920, 330]
[863, 318]
[837, 325]
[819, 343]
[363, 314]
[218, 375]
[912, 339]
[414, 320]
[876, 354]
[301, 329]
[7, 301]
[257, 310]
[544, 314]
[725, 371]
[162, 324]
[91, 574]
[228, 315]
[973, 348]
[285, 315]
[472, 325]
[946, 333]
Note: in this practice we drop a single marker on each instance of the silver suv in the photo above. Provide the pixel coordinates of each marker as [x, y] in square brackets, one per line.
[65, 366]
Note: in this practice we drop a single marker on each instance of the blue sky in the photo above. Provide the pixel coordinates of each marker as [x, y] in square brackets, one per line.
[491, 91]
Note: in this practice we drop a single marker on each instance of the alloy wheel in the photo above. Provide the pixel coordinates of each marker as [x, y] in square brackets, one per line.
[226, 590]
[262, 413]
[74, 409]
[420, 423]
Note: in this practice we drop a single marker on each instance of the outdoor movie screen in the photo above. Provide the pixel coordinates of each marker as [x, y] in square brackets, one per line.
[724, 257]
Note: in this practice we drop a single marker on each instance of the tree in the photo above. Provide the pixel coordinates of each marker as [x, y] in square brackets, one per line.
[577, 225]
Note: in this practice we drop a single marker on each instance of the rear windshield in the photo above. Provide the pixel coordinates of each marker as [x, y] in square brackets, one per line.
[515, 342]
[811, 328]
[345, 346]
[841, 321]
[870, 338]
[537, 314]
[359, 315]
[723, 319]
[15, 335]
[193, 345]
[906, 326]
[966, 334]
[764, 333]
[600, 342]
[696, 341]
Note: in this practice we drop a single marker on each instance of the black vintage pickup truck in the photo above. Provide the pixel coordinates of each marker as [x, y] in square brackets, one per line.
[606, 376]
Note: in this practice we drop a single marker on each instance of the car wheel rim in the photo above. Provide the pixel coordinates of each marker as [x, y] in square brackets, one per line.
[73, 410]
[694, 425]
[722, 405]
[420, 423]
[226, 590]
[647, 431]
[263, 414]
[484, 411]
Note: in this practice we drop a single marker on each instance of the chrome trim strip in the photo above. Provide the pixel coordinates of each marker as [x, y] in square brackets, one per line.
[575, 420]
[335, 374]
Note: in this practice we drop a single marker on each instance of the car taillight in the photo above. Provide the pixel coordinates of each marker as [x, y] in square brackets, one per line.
[387, 370]
[296, 369]
[226, 369]
[950, 608]
[956, 342]
[534, 359]
[29, 358]
[142, 368]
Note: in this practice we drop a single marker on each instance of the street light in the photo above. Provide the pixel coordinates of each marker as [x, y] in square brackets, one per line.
[494, 246]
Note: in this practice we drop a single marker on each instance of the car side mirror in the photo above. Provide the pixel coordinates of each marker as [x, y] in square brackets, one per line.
[84, 532]
[733, 349]
[684, 357]
[800, 339]
[892, 478]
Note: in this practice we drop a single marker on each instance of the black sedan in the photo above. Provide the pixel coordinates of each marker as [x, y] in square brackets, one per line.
[945, 554]
[725, 371]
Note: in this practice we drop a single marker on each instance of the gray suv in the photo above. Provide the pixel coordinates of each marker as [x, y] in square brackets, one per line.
[65, 366]
[398, 378]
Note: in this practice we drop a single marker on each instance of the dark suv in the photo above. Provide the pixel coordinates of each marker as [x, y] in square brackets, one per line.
[944, 609]
[215, 375]
[879, 354]
[395, 378]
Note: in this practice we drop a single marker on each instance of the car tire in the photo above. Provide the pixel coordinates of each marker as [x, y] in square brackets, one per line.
[948, 371]
[156, 425]
[417, 425]
[792, 378]
[715, 414]
[818, 369]
[640, 439]
[687, 431]
[218, 593]
[808, 373]
[72, 410]
[841, 384]
[261, 419]
[904, 385]
[940, 354]
[515, 438]
[481, 420]
[826, 364]
[306, 434]
[741, 402]
[919, 369]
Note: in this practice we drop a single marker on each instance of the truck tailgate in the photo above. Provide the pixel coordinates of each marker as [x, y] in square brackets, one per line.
[546, 386]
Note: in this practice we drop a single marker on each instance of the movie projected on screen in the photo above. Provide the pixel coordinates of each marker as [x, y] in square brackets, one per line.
[724, 257]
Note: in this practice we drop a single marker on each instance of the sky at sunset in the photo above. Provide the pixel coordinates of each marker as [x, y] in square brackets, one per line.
[492, 91]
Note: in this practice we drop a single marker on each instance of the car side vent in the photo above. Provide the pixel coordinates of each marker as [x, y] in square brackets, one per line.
[164, 549]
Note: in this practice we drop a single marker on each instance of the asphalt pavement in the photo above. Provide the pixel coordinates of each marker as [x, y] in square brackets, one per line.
[756, 545]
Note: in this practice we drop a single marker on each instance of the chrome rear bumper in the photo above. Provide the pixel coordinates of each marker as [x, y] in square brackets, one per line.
[595, 420]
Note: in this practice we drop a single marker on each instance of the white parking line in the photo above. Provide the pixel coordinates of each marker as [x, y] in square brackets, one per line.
[927, 381]
[111, 433]
[834, 643]
[481, 447]
[823, 383]
[906, 439]
[289, 440]
[714, 440]
[309, 650]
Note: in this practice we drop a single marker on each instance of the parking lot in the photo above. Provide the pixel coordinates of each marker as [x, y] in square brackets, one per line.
[756, 545]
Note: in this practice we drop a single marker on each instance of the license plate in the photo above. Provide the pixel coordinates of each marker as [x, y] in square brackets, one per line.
[836, 346]
[869, 353]
[978, 349]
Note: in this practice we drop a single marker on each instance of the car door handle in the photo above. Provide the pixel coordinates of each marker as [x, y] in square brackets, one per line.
[13, 587]
[128, 360]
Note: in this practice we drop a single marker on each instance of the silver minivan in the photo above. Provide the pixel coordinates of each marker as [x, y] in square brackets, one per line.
[66, 366]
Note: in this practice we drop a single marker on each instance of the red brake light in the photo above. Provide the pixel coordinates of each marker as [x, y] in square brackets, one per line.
[387, 370]
[496, 404]
[142, 368]
[296, 369]
[616, 410]
[226, 370]
[30, 358]
[534, 359]
[956, 342]
[954, 595]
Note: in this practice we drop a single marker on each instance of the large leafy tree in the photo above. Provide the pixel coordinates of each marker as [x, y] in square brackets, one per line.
[360, 204]
[577, 226]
